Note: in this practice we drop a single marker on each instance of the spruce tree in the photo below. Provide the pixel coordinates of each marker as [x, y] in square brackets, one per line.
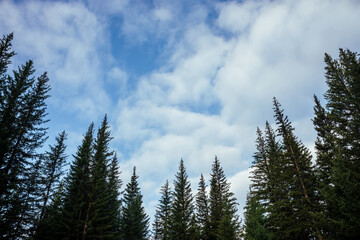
[162, 214]
[53, 163]
[182, 208]
[338, 146]
[255, 226]
[224, 220]
[203, 212]
[50, 226]
[135, 222]
[300, 179]
[22, 132]
[77, 187]
[98, 222]
[278, 205]
[114, 204]
[262, 188]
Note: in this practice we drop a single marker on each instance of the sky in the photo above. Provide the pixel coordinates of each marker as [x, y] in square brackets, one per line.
[182, 78]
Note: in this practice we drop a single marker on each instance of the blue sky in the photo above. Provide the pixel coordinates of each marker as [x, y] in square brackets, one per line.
[180, 79]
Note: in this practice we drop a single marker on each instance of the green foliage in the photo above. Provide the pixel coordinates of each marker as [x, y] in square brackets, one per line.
[203, 212]
[52, 169]
[77, 185]
[224, 220]
[135, 222]
[182, 208]
[255, 226]
[338, 146]
[98, 222]
[114, 204]
[50, 172]
[162, 215]
[22, 115]
[50, 224]
[300, 180]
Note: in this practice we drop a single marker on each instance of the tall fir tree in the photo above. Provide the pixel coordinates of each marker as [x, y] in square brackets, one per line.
[135, 222]
[50, 224]
[300, 179]
[203, 212]
[114, 204]
[162, 214]
[278, 205]
[255, 225]
[224, 220]
[76, 193]
[182, 208]
[338, 146]
[52, 170]
[98, 222]
[22, 133]
[262, 173]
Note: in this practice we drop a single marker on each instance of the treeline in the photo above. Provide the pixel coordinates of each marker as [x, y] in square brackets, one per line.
[292, 198]
[38, 200]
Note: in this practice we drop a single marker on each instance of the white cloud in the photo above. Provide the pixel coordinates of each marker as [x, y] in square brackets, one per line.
[65, 39]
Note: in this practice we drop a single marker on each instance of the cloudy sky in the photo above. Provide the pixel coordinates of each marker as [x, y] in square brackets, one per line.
[182, 78]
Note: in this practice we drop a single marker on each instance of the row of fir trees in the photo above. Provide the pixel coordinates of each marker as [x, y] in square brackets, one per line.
[42, 198]
[290, 196]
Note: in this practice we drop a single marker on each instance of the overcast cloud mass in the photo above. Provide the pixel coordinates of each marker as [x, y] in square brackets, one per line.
[180, 79]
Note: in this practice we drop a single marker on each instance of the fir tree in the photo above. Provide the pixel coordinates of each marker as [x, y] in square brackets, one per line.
[338, 146]
[300, 179]
[278, 205]
[22, 116]
[98, 222]
[255, 226]
[77, 186]
[182, 208]
[52, 170]
[135, 222]
[50, 224]
[202, 207]
[162, 215]
[114, 204]
[223, 206]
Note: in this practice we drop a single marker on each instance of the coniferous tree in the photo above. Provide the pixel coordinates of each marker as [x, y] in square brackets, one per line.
[338, 146]
[202, 207]
[224, 220]
[114, 203]
[135, 222]
[50, 224]
[52, 169]
[22, 115]
[162, 215]
[255, 226]
[194, 231]
[262, 175]
[76, 193]
[300, 179]
[98, 222]
[182, 208]
[278, 205]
